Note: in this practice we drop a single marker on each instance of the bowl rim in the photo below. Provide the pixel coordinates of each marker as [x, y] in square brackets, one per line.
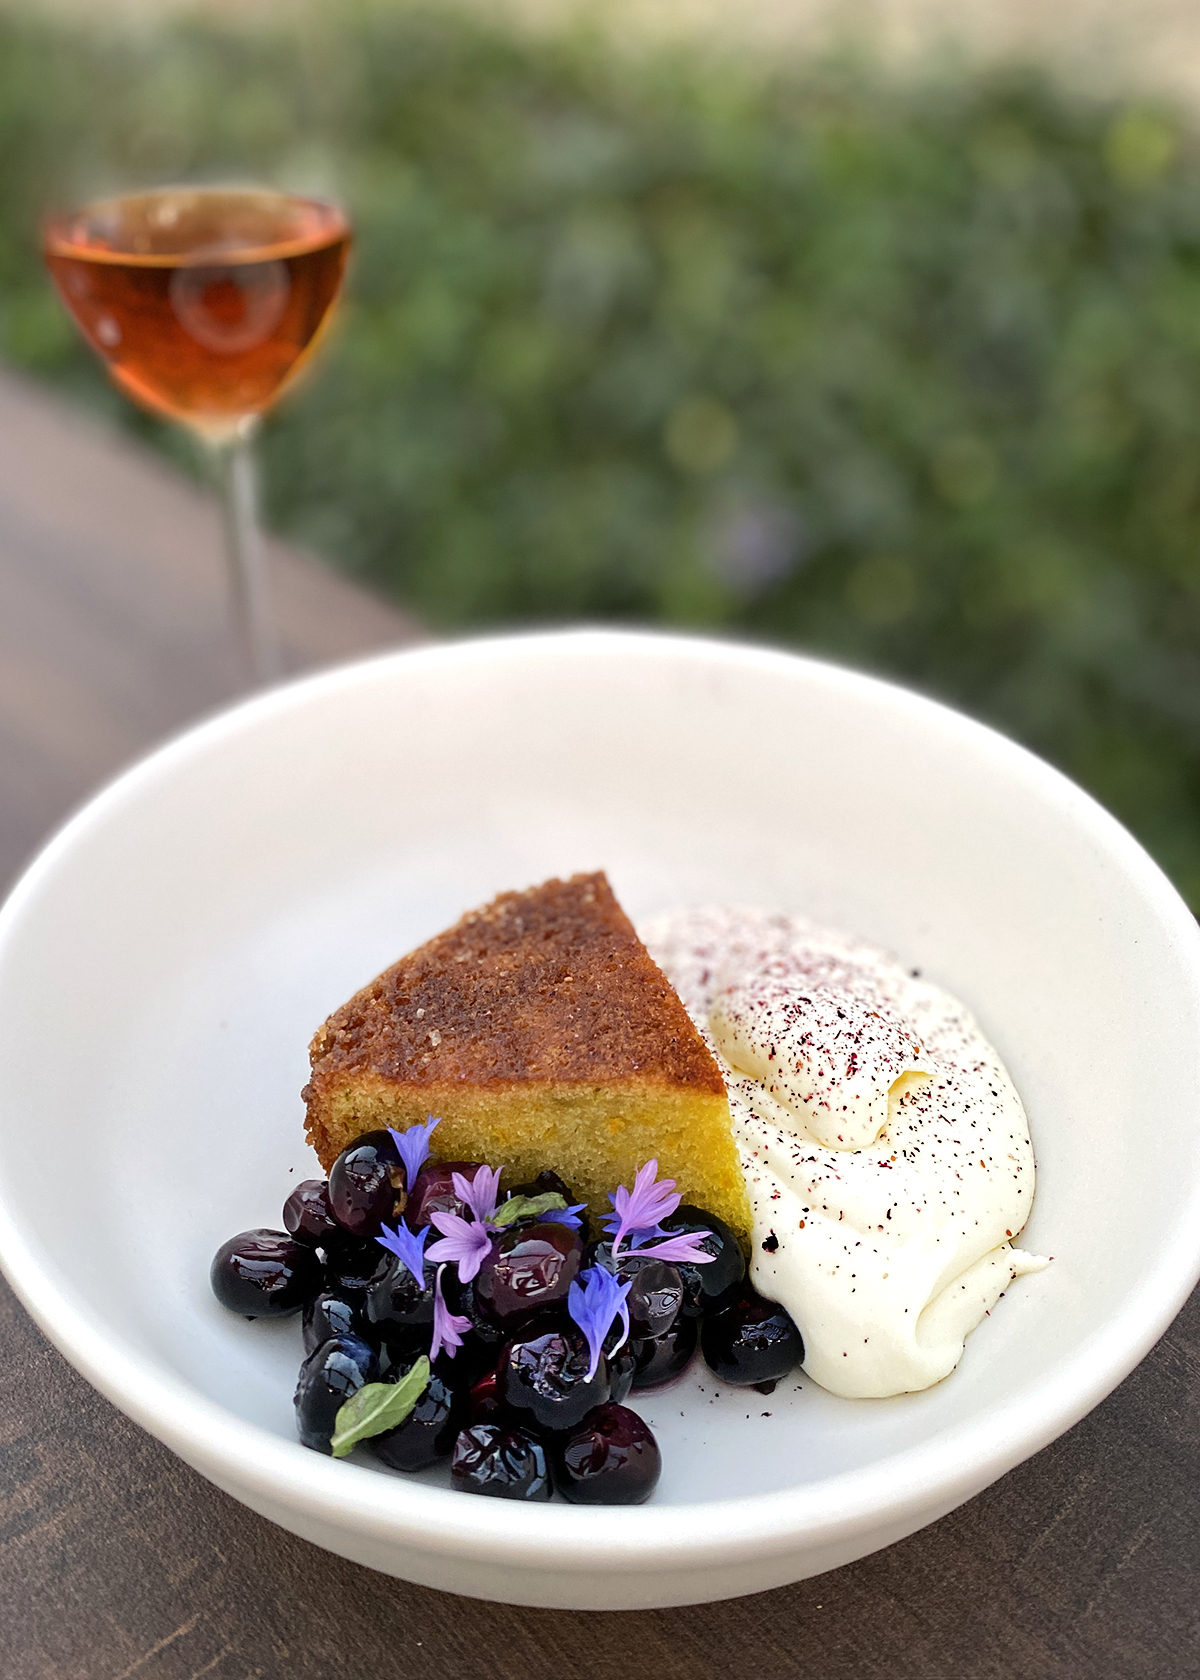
[928, 1478]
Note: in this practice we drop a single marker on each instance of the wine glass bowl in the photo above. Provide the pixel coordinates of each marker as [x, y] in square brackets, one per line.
[202, 302]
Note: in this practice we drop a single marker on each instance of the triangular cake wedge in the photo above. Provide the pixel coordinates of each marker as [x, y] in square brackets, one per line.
[542, 1032]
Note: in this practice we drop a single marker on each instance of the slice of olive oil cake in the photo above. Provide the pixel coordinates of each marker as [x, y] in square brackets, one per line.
[543, 1034]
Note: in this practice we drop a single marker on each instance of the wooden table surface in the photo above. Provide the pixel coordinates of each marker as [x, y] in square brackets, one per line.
[117, 1560]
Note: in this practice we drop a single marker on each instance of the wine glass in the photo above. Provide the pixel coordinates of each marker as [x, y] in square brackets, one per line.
[204, 302]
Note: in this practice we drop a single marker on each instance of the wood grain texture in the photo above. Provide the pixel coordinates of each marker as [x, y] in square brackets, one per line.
[117, 1560]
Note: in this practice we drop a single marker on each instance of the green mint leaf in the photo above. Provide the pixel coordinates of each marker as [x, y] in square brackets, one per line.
[378, 1406]
[521, 1207]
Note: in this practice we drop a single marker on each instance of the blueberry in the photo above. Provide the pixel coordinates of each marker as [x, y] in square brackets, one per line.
[501, 1463]
[611, 1458]
[656, 1292]
[621, 1363]
[544, 1380]
[329, 1314]
[328, 1377]
[352, 1267]
[431, 1428]
[709, 1287]
[483, 1342]
[265, 1274]
[367, 1186]
[753, 1341]
[529, 1270]
[621, 1368]
[655, 1298]
[399, 1306]
[307, 1215]
[432, 1191]
[659, 1359]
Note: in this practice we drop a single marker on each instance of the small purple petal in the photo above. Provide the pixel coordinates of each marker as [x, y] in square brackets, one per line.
[677, 1249]
[413, 1147]
[564, 1216]
[408, 1249]
[448, 1327]
[463, 1243]
[479, 1193]
[612, 1224]
[594, 1300]
[638, 1239]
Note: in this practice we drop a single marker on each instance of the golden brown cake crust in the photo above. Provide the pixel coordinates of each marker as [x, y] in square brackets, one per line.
[547, 985]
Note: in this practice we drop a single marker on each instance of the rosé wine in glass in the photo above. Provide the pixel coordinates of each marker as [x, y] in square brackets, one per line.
[204, 303]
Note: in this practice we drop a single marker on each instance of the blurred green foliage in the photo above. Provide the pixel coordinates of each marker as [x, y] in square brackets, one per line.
[906, 373]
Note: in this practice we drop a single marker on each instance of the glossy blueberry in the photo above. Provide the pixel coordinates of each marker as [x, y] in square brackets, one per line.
[599, 1253]
[655, 1298]
[709, 1287]
[611, 1458]
[544, 1381]
[753, 1341]
[501, 1463]
[431, 1428]
[352, 1267]
[656, 1290]
[265, 1274]
[399, 1306]
[328, 1377]
[621, 1362]
[307, 1216]
[329, 1314]
[659, 1359]
[367, 1186]
[529, 1270]
[483, 1341]
[433, 1191]
[621, 1368]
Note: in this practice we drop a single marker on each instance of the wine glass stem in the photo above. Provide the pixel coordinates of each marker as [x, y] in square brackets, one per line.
[254, 621]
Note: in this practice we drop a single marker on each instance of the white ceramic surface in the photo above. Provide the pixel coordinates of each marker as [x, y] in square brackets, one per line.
[165, 960]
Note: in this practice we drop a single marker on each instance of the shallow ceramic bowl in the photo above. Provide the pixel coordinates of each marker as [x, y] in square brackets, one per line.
[167, 957]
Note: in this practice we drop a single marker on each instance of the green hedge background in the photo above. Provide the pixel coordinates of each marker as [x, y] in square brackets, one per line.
[907, 372]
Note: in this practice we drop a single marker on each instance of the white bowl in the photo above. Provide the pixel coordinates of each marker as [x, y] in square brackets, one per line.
[166, 958]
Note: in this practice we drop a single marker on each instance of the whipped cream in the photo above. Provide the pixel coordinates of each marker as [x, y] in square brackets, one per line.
[886, 1152]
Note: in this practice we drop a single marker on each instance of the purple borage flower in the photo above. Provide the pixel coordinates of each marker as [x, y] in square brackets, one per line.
[595, 1301]
[463, 1242]
[480, 1192]
[448, 1327]
[413, 1146]
[408, 1248]
[638, 1215]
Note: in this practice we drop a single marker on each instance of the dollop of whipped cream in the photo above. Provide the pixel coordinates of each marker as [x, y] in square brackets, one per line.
[886, 1151]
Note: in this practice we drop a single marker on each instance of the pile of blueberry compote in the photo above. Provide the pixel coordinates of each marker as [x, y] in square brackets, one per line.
[510, 1342]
